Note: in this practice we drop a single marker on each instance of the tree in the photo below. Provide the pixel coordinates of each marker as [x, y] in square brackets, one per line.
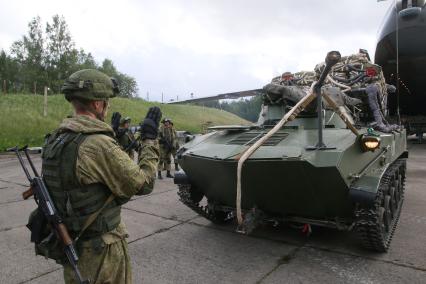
[127, 84]
[47, 59]
[108, 68]
[29, 52]
[3, 70]
[248, 108]
[86, 60]
[9, 71]
[62, 57]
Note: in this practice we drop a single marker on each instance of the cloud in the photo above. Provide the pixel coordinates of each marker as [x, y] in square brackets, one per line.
[202, 46]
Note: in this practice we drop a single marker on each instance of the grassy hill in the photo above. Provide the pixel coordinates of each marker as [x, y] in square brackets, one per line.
[22, 121]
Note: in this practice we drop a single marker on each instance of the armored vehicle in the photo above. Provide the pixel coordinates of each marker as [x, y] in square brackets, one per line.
[321, 154]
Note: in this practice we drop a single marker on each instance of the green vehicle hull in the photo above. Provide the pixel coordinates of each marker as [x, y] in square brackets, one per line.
[285, 179]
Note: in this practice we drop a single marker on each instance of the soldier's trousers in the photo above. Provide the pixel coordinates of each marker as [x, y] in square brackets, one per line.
[111, 265]
[165, 160]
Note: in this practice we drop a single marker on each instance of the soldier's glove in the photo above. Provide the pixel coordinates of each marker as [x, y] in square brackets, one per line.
[149, 126]
[115, 120]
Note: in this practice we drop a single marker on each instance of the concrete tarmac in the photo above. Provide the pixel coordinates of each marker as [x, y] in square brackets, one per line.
[169, 243]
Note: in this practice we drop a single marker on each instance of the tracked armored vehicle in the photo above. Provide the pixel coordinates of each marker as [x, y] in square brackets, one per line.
[321, 154]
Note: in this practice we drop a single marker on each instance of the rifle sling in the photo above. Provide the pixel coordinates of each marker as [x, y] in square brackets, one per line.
[93, 217]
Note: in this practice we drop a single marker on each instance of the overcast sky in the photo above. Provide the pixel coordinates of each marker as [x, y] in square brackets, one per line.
[205, 47]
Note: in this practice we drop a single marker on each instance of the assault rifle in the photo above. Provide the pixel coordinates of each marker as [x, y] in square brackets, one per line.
[47, 207]
[167, 144]
[132, 145]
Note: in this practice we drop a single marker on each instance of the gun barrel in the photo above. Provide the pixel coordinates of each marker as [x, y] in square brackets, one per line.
[330, 60]
[25, 149]
[73, 259]
[13, 149]
[21, 161]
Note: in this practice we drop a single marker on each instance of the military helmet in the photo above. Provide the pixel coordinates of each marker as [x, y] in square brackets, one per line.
[287, 76]
[124, 120]
[89, 84]
[166, 120]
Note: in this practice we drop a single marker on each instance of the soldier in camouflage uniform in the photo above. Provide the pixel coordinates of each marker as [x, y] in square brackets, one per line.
[167, 144]
[176, 147]
[86, 172]
[126, 139]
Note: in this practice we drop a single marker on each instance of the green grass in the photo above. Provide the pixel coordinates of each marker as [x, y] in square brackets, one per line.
[22, 121]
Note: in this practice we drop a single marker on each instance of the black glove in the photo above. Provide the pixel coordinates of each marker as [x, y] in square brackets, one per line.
[149, 127]
[115, 120]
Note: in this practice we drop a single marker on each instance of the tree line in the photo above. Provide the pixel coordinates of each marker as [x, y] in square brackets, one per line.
[46, 56]
[248, 109]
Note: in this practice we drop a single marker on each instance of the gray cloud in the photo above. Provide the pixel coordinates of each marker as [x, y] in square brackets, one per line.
[206, 47]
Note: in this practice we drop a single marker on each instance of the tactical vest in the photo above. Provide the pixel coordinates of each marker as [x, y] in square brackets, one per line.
[125, 140]
[167, 133]
[74, 201]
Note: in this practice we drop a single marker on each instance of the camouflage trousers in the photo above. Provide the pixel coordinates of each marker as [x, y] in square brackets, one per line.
[111, 265]
[165, 160]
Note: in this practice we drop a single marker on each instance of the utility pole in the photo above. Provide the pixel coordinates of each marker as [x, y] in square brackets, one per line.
[162, 98]
[177, 98]
[147, 96]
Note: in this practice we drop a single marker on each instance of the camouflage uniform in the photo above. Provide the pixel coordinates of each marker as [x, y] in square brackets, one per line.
[125, 140]
[167, 140]
[100, 160]
[175, 148]
[100, 168]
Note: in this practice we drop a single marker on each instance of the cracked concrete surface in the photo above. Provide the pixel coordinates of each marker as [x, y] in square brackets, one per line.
[169, 243]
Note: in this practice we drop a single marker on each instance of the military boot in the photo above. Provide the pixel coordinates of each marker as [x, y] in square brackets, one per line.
[159, 175]
[176, 166]
[169, 175]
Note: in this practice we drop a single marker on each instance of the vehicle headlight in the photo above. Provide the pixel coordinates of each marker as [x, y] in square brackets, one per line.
[369, 143]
